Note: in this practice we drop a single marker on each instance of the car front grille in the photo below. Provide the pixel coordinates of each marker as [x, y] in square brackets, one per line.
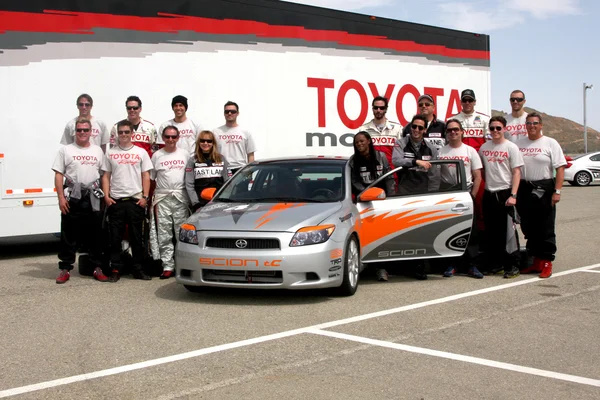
[246, 277]
[251, 244]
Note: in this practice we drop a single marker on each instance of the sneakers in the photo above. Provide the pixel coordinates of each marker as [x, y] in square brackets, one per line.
[381, 273]
[499, 270]
[546, 268]
[114, 276]
[512, 273]
[473, 272]
[534, 268]
[449, 273]
[419, 273]
[168, 273]
[99, 275]
[63, 276]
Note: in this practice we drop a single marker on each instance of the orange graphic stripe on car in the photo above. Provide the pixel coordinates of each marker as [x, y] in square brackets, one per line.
[450, 200]
[375, 227]
[413, 202]
[277, 208]
[366, 210]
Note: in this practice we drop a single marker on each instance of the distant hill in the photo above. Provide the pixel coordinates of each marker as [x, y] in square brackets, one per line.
[568, 133]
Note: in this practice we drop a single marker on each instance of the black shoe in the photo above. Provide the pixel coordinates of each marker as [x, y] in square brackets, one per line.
[419, 273]
[140, 274]
[114, 276]
[511, 273]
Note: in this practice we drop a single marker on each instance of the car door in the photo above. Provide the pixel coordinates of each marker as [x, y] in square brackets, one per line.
[594, 166]
[435, 222]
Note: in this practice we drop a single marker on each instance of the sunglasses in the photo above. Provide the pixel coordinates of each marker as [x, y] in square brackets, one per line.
[468, 100]
[418, 127]
[124, 132]
[516, 99]
[379, 108]
[84, 105]
[133, 108]
[495, 128]
[425, 104]
[535, 123]
[83, 129]
[452, 130]
[205, 140]
[230, 112]
[170, 136]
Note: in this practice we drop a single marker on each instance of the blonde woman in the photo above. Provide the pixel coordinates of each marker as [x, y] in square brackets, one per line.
[206, 169]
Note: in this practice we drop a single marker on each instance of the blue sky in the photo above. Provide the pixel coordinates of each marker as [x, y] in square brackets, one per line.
[547, 48]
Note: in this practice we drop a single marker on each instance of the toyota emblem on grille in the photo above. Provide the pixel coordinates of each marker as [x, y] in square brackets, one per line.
[241, 244]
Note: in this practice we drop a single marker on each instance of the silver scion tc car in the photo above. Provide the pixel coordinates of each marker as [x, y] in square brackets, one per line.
[583, 170]
[293, 223]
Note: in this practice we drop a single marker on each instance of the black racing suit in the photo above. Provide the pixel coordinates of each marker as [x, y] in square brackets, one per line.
[361, 177]
[200, 175]
[414, 179]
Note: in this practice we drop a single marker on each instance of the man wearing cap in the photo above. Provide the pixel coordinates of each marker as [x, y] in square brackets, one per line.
[188, 129]
[436, 128]
[475, 124]
[383, 132]
[515, 121]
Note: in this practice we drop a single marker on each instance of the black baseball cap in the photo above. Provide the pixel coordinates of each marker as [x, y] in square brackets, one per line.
[468, 93]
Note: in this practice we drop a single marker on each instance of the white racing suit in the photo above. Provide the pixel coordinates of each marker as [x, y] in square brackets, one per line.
[169, 211]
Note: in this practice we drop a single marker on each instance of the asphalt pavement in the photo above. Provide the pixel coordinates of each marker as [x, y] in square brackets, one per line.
[444, 338]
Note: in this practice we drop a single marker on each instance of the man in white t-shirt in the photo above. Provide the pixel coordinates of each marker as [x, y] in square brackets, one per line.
[235, 143]
[144, 131]
[99, 134]
[502, 163]
[170, 202]
[188, 129]
[384, 132]
[126, 186]
[457, 150]
[76, 179]
[539, 193]
[515, 121]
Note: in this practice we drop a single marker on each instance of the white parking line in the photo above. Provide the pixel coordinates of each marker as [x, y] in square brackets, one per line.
[463, 358]
[593, 271]
[228, 346]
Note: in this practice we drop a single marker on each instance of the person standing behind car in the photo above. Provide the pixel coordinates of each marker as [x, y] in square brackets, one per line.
[188, 129]
[366, 166]
[126, 186]
[99, 133]
[502, 163]
[436, 128]
[383, 131]
[515, 121]
[170, 200]
[539, 193]
[474, 123]
[76, 179]
[234, 142]
[206, 169]
[144, 132]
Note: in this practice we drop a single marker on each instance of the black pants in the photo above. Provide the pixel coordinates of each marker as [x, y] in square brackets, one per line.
[80, 229]
[495, 216]
[126, 214]
[538, 218]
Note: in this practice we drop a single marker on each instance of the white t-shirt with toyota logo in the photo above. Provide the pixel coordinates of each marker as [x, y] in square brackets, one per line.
[126, 167]
[515, 127]
[465, 153]
[169, 169]
[541, 157]
[498, 161]
[98, 136]
[188, 132]
[79, 164]
[235, 144]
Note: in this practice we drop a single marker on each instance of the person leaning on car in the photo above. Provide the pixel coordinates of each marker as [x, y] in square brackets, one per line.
[206, 169]
[367, 164]
[538, 194]
[126, 186]
[77, 174]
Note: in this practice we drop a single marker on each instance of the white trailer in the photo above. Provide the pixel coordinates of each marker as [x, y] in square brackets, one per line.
[303, 76]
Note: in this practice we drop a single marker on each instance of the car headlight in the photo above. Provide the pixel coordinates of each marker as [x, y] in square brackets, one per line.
[187, 234]
[312, 235]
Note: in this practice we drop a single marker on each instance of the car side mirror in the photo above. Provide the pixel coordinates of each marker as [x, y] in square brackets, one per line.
[372, 194]
[208, 193]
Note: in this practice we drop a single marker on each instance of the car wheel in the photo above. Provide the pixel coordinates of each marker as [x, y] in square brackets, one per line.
[195, 289]
[85, 266]
[351, 268]
[572, 183]
[583, 178]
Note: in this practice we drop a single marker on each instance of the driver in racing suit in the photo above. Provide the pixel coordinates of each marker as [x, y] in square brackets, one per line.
[383, 132]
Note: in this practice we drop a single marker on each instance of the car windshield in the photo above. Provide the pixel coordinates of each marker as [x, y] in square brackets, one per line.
[311, 181]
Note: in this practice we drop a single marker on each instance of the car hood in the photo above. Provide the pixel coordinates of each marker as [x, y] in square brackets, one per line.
[261, 217]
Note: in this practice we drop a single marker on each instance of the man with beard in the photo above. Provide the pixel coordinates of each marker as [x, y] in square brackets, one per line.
[474, 123]
[383, 132]
[435, 133]
[515, 121]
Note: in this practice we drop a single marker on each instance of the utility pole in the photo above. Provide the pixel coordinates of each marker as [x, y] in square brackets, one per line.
[585, 88]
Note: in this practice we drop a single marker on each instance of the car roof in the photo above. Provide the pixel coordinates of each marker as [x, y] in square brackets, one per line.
[327, 159]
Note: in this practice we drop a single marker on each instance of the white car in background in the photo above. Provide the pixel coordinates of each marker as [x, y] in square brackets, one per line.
[583, 170]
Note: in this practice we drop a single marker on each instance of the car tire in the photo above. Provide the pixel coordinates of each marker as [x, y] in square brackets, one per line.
[583, 178]
[573, 183]
[351, 268]
[84, 265]
[194, 289]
